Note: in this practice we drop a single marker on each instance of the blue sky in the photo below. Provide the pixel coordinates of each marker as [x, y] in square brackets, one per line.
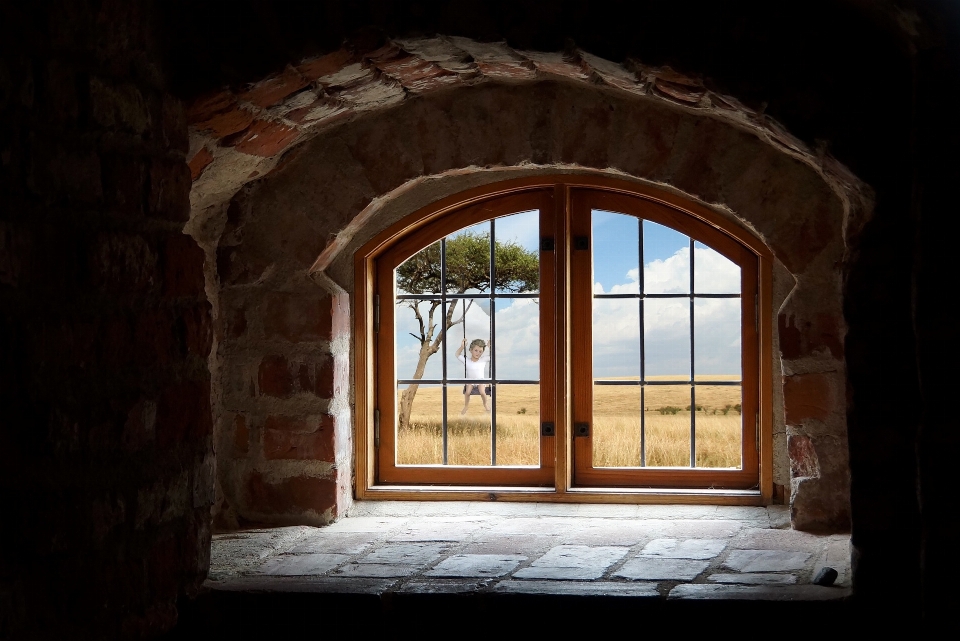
[616, 329]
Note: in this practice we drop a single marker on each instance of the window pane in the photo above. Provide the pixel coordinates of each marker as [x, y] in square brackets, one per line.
[419, 425]
[616, 253]
[616, 425]
[468, 260]
[517, 342]
[666, 260]
[716, 323]
[411, 335]
[616, 338]
[517, 252]
[468, 424]
[667, 338]
[719, 426]
[518, 424]
[420, 274]
[713, 272]
[667, 425]
[470, 331]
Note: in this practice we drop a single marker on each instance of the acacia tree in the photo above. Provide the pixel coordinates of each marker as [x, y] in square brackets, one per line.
[467, 270]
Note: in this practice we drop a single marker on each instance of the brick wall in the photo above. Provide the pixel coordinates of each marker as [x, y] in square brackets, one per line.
[106, 464]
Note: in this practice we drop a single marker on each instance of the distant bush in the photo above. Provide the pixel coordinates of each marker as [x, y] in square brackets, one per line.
[522, 410]
[737, 408]
[670, 409]
[699, 408]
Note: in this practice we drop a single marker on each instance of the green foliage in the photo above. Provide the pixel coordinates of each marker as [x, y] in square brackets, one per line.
[699, 408]
[522, 410]
[737, 408]
[468, 267]
[669, 409]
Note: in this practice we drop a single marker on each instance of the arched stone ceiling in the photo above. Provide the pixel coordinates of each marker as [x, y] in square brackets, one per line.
[239, 135]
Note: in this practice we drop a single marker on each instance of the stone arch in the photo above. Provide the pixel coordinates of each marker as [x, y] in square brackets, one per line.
[413, 122]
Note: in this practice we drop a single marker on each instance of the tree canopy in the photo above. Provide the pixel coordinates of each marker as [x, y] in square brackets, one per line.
[468, 267]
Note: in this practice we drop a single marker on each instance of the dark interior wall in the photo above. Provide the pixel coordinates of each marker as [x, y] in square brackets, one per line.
[104, 446]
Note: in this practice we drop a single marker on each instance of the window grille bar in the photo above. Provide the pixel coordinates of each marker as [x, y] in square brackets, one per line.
[443, 343]
[468, 381]
[643, 397]
[662, 295]
[474, 295]
[693, 377]
[493, 356]
[648, 383]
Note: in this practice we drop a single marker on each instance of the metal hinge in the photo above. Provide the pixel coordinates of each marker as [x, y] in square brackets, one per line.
[376, 428]
[376, 313]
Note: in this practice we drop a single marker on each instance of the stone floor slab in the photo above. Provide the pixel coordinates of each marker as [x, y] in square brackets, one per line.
[754, 578]
[439, 530]
[372, 524]
[476, 565]
[560, 573]
[765, 560]
[702, 591]
[324, 543]
[443, 586]
[303, 584]
[646, 568]
[594, 588]
[688, 549]
[376, 570]
[301, 564]
[581, 556]
[405, 553]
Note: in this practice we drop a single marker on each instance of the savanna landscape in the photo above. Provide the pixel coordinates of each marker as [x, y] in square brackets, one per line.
[616, 426]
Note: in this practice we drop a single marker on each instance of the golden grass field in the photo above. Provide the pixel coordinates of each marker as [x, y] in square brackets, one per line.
[616, 427]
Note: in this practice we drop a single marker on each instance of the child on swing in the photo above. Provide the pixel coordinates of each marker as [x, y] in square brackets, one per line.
[474, 367]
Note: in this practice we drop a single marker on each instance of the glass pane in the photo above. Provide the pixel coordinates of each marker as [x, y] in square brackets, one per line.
[468, 260]
[667, 425]
[713, 272]
[419, 425]
[420, 274]
[667, 338]
[616, 253]
[719, 426]
[518, 424]
[716, 323]
[467, 352]
[616, 338]
[666, 260]
[412, 335]
[616, 425]
[468, 424]
[517, 252]
[517, 342]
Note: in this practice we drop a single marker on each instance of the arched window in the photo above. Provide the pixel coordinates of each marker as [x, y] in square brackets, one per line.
[565, 340]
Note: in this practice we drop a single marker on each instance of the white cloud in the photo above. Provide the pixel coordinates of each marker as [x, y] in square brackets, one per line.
[616, 332]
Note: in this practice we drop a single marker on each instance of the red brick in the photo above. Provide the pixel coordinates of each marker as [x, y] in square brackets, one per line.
[807, 396]
[241, 435]
[326, 65]
[272, 91]
[804, 462]
[183, 414]
[295, 317]
[170, 190]
[264, 138]
[283, 444]
[199, 162]
[182, 267]
[274, 377]
[800, 338]
[298, 423]
[220, 114]
[335, 317]
[290, 495]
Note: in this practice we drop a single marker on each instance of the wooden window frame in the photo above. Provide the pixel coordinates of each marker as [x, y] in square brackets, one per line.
[556, 197]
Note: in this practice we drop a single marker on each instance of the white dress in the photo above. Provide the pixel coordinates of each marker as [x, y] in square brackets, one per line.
[478, 368]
